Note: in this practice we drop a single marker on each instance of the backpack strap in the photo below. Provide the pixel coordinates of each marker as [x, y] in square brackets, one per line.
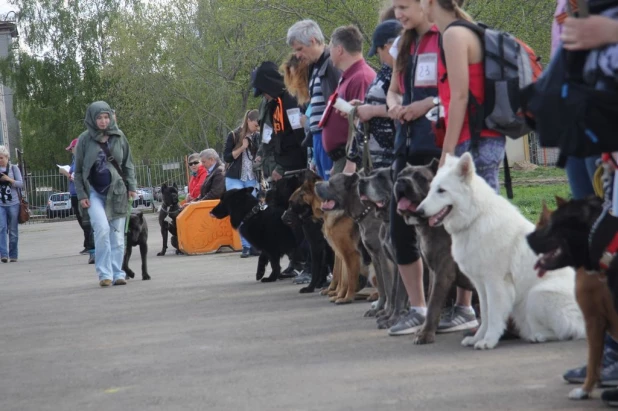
[475, 110]
[114, 162]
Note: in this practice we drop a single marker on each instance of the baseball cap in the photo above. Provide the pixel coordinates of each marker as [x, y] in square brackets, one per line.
[73, 144]
[387, 30]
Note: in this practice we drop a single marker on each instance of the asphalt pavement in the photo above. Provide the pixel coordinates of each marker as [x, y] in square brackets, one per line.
[203, 335]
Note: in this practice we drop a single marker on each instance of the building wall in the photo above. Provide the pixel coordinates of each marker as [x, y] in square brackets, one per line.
[9, 122]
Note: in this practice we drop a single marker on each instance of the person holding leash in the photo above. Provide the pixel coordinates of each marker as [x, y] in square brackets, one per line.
[105, 184]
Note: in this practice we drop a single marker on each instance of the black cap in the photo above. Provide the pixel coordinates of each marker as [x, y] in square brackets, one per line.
[387, 30]
[267, 79]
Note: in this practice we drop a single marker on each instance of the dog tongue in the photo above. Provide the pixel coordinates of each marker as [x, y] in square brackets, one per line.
[364, 198]
[405, 204]
[433, 220]
[328, 205]
[540, 272]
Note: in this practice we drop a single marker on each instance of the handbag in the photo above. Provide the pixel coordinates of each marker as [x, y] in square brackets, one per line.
[24, 209]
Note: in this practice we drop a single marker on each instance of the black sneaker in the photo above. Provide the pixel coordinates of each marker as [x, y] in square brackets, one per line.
[246, 252]
[91, 259]
[84, 251]
[610, 397]
[253, 252]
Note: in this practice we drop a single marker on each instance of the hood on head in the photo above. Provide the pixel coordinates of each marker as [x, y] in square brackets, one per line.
[93, 111]
[268, 80]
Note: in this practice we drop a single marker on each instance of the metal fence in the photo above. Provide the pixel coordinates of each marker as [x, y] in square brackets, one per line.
[540, 155]
[43, 189]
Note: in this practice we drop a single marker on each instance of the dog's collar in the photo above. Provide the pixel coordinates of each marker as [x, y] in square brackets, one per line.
[254, 211]
[166, 210]
[362, 215]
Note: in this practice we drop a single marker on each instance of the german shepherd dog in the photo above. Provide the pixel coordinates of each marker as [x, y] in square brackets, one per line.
[411, 188]
[137, 236]
[262, 227]
[377, 190]
[168, 212]
[304, 210]
[561, 237]
[341, 203]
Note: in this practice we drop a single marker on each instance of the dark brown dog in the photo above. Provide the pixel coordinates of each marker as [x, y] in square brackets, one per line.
[561, 237]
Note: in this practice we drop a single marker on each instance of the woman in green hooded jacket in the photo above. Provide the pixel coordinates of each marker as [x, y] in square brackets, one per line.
[102, 191]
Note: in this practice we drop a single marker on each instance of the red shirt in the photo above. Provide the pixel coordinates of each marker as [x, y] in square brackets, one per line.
[353, 85]
[476, 73]
[195, 184]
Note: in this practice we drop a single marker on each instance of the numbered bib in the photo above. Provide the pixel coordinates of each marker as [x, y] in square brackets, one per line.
[426, 70]
[267, 134]
[294, 117]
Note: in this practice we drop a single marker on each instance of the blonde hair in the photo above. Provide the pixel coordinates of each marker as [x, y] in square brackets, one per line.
[250, 115]
[456, 6]
[5, 152]
[296, 78]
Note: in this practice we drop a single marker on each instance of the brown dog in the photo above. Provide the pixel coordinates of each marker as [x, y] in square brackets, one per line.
[342, 235]
[562, 239]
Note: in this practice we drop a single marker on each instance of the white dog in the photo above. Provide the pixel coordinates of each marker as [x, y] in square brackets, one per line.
[490, 247]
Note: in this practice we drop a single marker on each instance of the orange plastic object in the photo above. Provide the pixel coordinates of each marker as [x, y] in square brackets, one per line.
[199, 233]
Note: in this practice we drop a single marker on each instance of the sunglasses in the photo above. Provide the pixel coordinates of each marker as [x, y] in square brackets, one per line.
[194, 163]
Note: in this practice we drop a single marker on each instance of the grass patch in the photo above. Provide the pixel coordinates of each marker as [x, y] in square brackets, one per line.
[528, 198]
[541, 173]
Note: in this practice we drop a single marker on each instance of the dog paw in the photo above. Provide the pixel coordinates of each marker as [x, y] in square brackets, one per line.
[259, 275]
[269, 279]
[468, 341]
[424, 338]
[342, 301]
[370, 313]
[538, 338]
[178, 252]
[129, 273]
[485, 344]
[306, 290]
[332, 299]
[324, 291]
[160, 253]
[579, 394]
[145, 277]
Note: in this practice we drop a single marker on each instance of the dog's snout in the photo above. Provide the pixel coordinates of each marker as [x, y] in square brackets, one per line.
[420, 211]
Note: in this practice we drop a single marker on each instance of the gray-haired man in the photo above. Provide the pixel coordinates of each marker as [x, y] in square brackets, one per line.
[307, 40]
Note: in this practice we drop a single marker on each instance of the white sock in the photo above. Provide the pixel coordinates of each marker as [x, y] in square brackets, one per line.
[421, 310]
[468, 309]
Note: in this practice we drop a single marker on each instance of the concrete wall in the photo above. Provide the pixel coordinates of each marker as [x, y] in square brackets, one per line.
[8, 32]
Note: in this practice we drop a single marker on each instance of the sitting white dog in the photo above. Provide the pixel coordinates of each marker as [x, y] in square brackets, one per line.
[490, 247]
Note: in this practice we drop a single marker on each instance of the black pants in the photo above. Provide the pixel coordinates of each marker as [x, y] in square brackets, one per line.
[403, 236]
[86, 228]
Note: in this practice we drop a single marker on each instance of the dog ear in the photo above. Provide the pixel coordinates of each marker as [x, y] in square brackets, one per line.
[163, 187]
[434, 165]
[351, 179]
[249, 190]
[560, 201]
[465, 167]
[545, 215]
[140, 215]
[175, 186]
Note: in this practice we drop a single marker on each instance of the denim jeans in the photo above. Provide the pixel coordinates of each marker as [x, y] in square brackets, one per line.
[108, 240]
[580, 173]
[322, 161]
[231, 183]
[8, 225]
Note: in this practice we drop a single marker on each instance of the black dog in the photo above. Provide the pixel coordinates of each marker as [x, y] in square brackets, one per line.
[137, 236]
[300, 213]
[261, 227]
[167, 216]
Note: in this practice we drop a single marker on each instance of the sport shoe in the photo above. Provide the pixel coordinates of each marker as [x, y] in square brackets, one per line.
[4, 260]
[609, 370]
[84, 251]
[105, 283]
[120, 281]
[408, 324]
[91, 259]
[303, 278]
[246, 252]
[610, 397]
[13, 260]
[457, 319]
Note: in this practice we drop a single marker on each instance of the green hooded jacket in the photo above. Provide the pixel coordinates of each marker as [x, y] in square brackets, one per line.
[116, 205]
